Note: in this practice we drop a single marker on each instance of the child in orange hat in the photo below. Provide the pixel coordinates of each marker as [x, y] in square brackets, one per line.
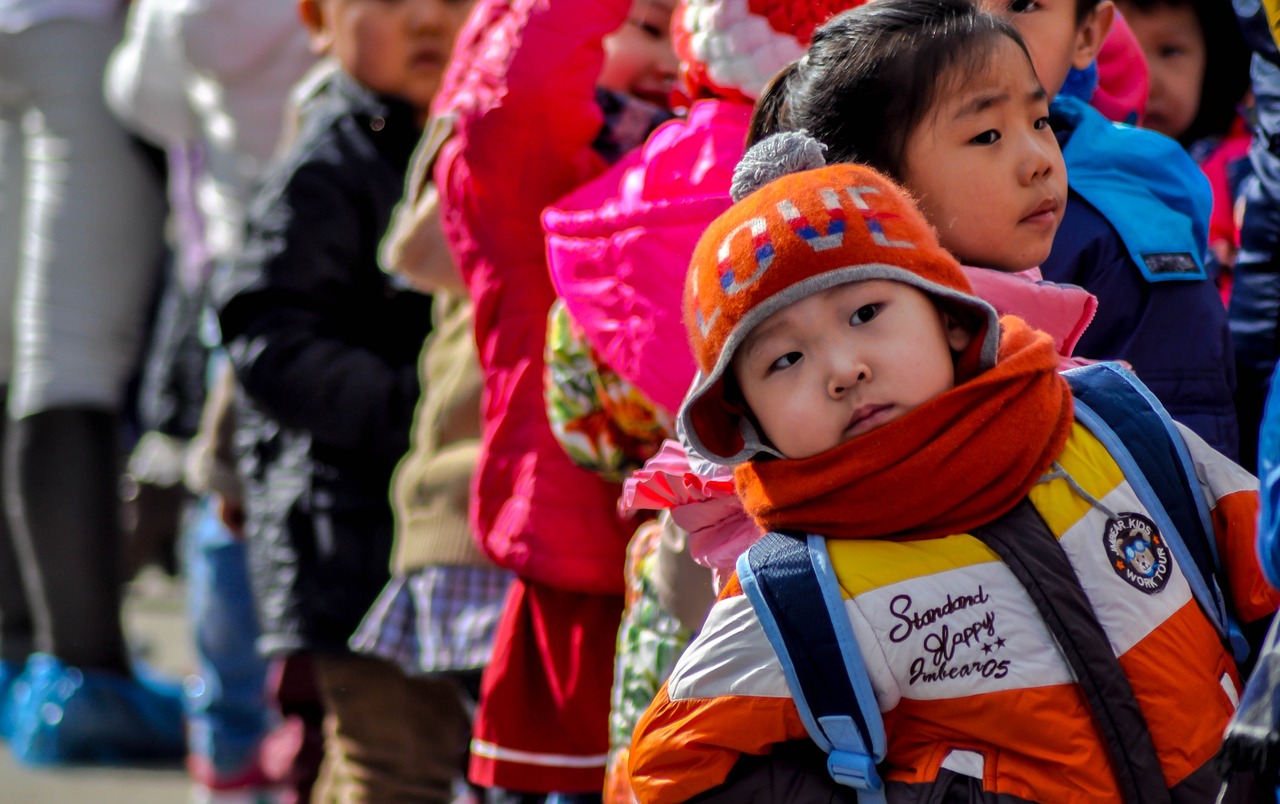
[867, 397]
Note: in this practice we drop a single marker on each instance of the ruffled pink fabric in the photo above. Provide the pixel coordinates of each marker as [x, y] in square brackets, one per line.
[706, 507]
[618, 247]
[1064, 311]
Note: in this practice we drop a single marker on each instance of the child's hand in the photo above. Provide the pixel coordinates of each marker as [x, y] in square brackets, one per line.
[231, 512]
[414, 247]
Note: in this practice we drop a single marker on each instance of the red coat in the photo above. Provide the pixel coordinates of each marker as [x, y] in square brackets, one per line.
[522, 86]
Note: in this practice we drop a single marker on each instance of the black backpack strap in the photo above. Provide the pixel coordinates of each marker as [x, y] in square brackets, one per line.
[1029, 549]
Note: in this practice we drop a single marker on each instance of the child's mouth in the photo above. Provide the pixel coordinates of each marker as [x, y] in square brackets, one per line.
[1044, 214]
[868, 417]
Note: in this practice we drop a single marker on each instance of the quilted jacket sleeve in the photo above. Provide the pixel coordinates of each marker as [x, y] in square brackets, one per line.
[1232, 494]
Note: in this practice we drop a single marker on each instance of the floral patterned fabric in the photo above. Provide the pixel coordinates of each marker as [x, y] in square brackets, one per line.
[649, 642]
[604, 423]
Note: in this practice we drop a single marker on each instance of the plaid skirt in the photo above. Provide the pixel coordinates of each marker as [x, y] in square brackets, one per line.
[436, 619]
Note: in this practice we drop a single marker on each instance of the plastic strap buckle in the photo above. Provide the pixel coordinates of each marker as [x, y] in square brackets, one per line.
[854, 770]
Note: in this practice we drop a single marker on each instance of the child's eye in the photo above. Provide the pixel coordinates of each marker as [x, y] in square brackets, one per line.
[649, 29]
[864, 314]
[1042, 123]
[988, 137]
[786, 361]
[1170, 51]
[1023, 6]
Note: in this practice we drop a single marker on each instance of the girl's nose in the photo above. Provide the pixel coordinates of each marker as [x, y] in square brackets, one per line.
[1038, 163]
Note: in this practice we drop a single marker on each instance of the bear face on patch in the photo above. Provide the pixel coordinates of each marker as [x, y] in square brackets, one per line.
[1137, 552]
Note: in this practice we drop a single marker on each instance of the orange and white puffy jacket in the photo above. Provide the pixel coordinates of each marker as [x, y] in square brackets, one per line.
[969, 679]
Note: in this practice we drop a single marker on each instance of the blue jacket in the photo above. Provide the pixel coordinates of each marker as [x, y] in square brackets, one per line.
[1255, 294]
[1138, 243]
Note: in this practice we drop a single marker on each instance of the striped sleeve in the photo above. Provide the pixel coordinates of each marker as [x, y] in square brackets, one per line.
[1232, 494]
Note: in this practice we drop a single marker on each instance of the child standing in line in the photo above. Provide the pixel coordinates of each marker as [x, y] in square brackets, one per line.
[1135, 232]
[217, 110]
[618, 365]
[325, 348]
[581, 82]
[931, 118]
[1192, 46]
[839, 343]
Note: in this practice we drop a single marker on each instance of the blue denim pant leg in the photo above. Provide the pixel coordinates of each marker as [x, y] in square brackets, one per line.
[226, 702]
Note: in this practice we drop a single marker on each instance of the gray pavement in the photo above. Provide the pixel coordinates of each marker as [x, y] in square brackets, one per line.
[155, 621]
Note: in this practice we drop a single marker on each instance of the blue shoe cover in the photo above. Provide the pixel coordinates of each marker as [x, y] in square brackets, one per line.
[62, 715]
[8, 672]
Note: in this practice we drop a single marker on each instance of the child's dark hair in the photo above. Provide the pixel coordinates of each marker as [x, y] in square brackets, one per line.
[1226, 65]
[872, 74]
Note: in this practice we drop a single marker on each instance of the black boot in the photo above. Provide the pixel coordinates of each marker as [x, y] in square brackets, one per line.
[60, 485]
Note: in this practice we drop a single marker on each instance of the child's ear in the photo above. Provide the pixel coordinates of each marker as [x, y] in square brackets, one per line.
[958, 336]
[1091, 33]
[312, 14]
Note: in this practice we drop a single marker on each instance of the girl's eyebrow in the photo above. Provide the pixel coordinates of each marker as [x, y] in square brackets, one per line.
[980, 103]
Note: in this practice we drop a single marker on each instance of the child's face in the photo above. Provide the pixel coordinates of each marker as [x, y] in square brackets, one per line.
[985, 167]
[394, 47]
[1053, 38]
[845, 361]
[638, 57]
[1174, 45]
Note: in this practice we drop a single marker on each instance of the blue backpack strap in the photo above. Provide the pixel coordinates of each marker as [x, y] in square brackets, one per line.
[1141, 437]
[797, 599]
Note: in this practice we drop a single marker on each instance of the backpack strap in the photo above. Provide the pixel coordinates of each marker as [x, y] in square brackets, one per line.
[795, 595]
[1142, 439]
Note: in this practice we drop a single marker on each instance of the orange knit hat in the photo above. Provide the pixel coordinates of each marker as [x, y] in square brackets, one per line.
[797, 235]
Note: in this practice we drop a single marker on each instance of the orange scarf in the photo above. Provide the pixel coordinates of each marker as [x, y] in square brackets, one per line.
[956, 462]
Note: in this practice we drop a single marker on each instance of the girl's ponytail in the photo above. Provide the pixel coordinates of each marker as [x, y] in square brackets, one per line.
[770, 113]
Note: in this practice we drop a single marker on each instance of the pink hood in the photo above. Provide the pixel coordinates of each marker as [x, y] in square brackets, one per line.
[618, 247]
[1063, 311]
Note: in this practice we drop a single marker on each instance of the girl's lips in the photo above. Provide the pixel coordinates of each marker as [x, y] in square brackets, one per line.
[1043, 215]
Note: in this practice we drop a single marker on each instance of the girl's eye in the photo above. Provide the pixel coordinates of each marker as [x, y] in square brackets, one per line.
[786, 361]
[1023, 6]
[1170, 51]
[864, 314]
[988, 137]
[1042, 123]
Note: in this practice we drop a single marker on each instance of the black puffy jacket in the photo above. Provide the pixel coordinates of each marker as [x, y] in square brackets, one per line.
[325, 350]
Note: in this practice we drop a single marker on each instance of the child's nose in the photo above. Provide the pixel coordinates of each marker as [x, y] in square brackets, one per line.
[1038, 163]
[845, 374]
[427, 14]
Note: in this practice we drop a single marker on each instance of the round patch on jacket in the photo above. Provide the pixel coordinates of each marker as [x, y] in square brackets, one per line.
[1137, 552]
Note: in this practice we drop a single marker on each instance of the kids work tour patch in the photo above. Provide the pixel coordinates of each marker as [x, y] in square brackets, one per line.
[1137, 552]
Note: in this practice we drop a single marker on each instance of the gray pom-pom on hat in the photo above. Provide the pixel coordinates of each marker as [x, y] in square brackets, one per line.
[773, 157]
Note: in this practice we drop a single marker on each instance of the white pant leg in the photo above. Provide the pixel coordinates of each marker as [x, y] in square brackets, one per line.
[12, 182]
[92, 224]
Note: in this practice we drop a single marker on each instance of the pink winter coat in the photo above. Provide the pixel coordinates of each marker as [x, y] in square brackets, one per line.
[523, 139]
[619, 246]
